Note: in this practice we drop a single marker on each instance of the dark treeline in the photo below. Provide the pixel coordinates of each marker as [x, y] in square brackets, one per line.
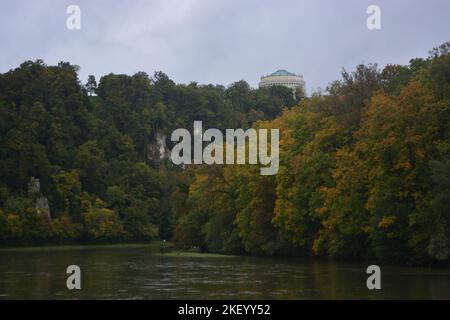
[364, 166]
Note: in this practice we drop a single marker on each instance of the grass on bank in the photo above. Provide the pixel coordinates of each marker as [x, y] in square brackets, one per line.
[157, 247]
[151, 245]
[190, 254]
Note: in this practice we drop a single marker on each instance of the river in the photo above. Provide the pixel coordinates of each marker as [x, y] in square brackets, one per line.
[141, 273]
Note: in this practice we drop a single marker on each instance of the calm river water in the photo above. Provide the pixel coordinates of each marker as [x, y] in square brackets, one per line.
[140, 273]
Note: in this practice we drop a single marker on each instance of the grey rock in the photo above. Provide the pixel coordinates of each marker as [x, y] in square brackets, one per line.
[42, 206]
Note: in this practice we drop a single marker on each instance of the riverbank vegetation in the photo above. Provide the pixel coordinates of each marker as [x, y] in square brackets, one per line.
[364, 166]
[153, 246]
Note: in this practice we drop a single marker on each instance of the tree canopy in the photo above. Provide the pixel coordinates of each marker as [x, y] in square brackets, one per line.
[364, 166]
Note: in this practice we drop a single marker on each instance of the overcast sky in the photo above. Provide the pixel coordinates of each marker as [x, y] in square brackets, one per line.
[221, 41]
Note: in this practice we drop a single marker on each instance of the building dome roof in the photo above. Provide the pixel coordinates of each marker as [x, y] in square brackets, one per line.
[281, 72]
[284, 78]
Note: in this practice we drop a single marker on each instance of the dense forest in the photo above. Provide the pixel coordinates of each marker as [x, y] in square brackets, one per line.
[364, 165]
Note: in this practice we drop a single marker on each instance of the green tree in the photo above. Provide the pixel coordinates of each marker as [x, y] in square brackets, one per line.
[102, 224]
[91, 85]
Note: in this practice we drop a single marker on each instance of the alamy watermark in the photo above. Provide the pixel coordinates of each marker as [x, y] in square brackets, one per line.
[374, 280]
[373, 22]
[74, 279]
[234, 150]
[73, 21]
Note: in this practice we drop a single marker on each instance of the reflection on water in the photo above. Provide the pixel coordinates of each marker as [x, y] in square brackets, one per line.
[138, 273]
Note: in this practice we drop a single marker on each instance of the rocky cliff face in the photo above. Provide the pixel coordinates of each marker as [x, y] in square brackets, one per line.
[34, 192]
[157, 150]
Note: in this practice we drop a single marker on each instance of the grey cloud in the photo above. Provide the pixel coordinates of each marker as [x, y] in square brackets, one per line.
[221, 41]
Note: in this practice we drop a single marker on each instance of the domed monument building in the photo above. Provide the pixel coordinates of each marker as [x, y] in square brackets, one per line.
[284, 78]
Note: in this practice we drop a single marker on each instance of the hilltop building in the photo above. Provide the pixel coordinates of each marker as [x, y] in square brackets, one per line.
[284, 78]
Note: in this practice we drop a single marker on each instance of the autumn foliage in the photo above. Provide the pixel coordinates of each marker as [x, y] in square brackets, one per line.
[364, 173]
